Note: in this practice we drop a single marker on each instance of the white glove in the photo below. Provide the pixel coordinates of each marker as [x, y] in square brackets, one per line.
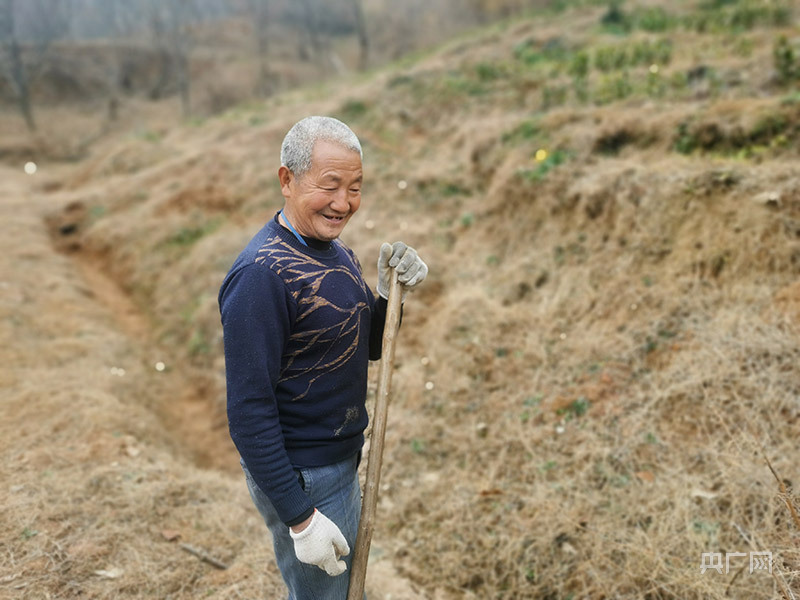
[411, 270]
[321, 544]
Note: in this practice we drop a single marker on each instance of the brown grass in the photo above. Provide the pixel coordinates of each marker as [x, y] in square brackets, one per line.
[612, 345]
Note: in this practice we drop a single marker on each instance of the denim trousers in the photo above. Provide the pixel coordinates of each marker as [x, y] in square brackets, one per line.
[335, 492]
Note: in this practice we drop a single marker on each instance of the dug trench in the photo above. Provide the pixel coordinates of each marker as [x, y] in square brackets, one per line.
[182, 397]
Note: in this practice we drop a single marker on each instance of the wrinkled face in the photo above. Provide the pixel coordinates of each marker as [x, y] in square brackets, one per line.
[320, 202]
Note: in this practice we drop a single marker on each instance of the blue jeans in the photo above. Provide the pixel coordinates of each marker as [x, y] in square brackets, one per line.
[335, 492]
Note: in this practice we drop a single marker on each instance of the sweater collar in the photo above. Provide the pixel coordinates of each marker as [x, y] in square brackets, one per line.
[314, 247]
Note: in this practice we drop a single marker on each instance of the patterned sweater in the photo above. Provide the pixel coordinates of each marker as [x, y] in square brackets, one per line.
[300, 325]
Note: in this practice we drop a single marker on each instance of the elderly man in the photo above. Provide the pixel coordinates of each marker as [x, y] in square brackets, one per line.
[300, 325]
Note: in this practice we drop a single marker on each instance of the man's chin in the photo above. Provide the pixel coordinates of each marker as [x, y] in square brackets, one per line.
[330, 231]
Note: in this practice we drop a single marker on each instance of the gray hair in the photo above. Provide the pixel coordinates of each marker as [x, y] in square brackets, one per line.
[299, 143]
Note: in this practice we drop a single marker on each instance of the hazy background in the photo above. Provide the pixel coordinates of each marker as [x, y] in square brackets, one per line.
[212, 54]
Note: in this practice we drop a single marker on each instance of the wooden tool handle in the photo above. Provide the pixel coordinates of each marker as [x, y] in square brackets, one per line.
[358, 570]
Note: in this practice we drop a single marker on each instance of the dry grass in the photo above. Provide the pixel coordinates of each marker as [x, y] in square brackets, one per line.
[611, 341]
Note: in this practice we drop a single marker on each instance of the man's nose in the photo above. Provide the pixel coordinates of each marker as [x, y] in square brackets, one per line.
[340, 202]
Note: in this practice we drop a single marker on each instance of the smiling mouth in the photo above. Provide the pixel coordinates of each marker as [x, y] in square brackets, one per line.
[334, 219]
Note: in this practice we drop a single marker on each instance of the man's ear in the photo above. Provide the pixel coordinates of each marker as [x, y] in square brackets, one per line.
[286, 178]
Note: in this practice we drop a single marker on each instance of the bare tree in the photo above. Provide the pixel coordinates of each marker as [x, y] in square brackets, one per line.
[260, 11]
[312, 37]
[116, 24]
[321, 52]
[169, 25]
[363, 38]
[180, 15]
[157, 24]
[14, 67]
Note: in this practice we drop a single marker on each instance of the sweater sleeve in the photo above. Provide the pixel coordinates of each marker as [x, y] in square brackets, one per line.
[257, 313]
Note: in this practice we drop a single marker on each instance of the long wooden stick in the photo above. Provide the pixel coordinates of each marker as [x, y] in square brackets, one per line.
[358, 571]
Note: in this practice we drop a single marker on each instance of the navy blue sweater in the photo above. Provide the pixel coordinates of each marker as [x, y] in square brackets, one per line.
[300, 325]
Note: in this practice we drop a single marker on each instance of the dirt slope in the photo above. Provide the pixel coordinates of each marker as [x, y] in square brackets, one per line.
[591, 379]
[108, 463]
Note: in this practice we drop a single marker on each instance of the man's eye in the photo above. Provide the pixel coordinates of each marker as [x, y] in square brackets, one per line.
[355, 190]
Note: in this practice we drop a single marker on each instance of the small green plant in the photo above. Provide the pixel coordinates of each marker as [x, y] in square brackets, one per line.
[767, 127]
[550, 162]
[792, 99]
[530, 54]
[654, 19]
[685, 141]
[198, 343]
[187, 236]
[525, 131]
[615, 20]
[553, 96]
[678, 82]
[456, 85]
[154, 137]
[578, 68]
[488, 71]
[399, 80]
[189, 309]
[532, 400]
[559, 255]
[579, 65]
[450, 189]
[648, 53]
[353, 109]
[656, 85]
[785, 61]
[743, 46]
[708, 528]
[738, 16]
[611, 58]
[717, 4]
[28, 533]
[613, 88]
[577, 408]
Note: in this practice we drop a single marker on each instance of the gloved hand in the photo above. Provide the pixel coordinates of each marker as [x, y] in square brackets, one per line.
[321, 544]
[411, 270]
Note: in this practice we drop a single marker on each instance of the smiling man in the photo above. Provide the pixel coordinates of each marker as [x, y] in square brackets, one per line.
[300, 325]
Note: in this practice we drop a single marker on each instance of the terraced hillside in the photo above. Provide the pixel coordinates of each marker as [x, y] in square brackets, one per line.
[589, 384]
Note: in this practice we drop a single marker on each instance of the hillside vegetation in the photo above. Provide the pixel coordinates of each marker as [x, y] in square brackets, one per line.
[589, 384]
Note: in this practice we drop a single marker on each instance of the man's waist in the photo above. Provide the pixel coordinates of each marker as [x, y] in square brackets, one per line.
[319, 453]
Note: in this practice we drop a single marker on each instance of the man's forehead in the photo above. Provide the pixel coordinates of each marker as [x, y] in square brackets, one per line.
[327, 155]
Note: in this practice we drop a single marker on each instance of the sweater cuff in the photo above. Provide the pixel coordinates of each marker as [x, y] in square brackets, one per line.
[295, 507]
[301, 518]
